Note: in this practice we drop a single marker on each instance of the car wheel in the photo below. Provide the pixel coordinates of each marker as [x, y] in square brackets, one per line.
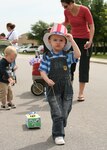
[24, 51]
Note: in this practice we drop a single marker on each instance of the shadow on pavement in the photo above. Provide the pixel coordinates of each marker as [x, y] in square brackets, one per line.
[36, 108]
[41, 146]
[75, 102]
[30, 98]
[27, 95]
[24, 127]
[29, 102]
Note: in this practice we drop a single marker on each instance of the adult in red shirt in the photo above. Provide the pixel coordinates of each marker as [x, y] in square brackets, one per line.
[82, 29]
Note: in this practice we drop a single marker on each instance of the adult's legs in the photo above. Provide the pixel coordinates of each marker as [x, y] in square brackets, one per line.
[81, 91]
[84, 66]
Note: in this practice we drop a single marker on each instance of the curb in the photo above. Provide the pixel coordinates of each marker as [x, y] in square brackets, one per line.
[99, 61]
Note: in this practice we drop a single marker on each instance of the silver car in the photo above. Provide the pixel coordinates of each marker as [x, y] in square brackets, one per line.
[27, 49]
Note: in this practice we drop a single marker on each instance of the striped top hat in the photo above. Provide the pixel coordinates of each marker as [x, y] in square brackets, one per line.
[57, 29]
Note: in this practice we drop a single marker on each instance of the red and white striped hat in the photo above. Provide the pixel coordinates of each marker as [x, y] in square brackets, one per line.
[57, 29]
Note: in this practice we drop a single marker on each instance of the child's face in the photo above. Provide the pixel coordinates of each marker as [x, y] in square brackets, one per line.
[57, 42]
[11, 57]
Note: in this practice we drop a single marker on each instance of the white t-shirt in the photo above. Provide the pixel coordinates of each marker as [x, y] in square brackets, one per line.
[12, 36]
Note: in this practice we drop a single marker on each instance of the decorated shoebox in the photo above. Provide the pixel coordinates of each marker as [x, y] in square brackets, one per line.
[33, 120]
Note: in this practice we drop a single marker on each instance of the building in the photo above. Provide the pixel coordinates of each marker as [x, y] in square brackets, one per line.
[23, 40]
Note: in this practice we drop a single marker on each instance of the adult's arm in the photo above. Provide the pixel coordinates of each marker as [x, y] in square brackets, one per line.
[92, 30]
[89, 19]
[89, 43]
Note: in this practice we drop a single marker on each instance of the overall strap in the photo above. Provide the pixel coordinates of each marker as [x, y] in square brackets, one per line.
[9, 34]
[48, 53]
[65, 54]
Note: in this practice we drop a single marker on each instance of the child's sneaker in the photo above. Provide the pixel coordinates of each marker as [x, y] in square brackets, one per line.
[59, 140]
[5, 107]
[11, 105]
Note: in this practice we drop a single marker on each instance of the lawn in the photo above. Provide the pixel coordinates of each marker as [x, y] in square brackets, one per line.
[99, 55]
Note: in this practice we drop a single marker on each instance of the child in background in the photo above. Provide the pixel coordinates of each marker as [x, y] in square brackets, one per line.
[55, 70]
[2, 36]
[6, 79]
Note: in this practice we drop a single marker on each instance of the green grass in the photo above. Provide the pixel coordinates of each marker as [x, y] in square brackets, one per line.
[99, 55]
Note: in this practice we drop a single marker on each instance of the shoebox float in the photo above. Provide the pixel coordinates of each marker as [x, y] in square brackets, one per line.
[33, 120]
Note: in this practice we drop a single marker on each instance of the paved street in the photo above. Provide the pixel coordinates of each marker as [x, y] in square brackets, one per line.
[87, 122]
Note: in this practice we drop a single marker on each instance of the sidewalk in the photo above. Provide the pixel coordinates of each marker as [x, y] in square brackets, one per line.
[97, 60]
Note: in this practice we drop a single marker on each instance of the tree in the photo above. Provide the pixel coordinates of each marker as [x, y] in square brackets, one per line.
[37, 31]
[84, 2]
[104, 24]
[99, 11]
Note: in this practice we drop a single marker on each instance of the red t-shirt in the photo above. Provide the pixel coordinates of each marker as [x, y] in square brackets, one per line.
[80, 22]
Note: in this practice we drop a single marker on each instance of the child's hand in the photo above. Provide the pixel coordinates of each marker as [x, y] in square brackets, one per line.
[11, 81]
[50, 82]
[70, 37]
[15, 68]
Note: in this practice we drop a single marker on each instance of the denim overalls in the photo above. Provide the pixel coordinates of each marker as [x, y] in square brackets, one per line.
[60, 95]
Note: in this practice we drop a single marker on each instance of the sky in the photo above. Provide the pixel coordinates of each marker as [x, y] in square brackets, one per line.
[25, 13]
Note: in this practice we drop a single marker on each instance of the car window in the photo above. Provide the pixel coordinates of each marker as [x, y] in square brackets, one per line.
[33, 47]
[36, 46]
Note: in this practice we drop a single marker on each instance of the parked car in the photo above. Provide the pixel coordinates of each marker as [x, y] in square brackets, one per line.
[3, 45]
[27, 49]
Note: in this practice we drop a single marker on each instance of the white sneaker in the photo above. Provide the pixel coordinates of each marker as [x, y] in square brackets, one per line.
[5, 107]
[59, 140]
[11, 105]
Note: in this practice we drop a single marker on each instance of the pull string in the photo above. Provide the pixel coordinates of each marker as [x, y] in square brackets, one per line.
[47, 94]
[41, 90]
[48, 91]
[53, 93]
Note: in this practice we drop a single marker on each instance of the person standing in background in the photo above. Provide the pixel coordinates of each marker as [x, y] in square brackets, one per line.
[6, 79]
[82, 28]
[2, 36]
[13, 38]
[12, 35]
